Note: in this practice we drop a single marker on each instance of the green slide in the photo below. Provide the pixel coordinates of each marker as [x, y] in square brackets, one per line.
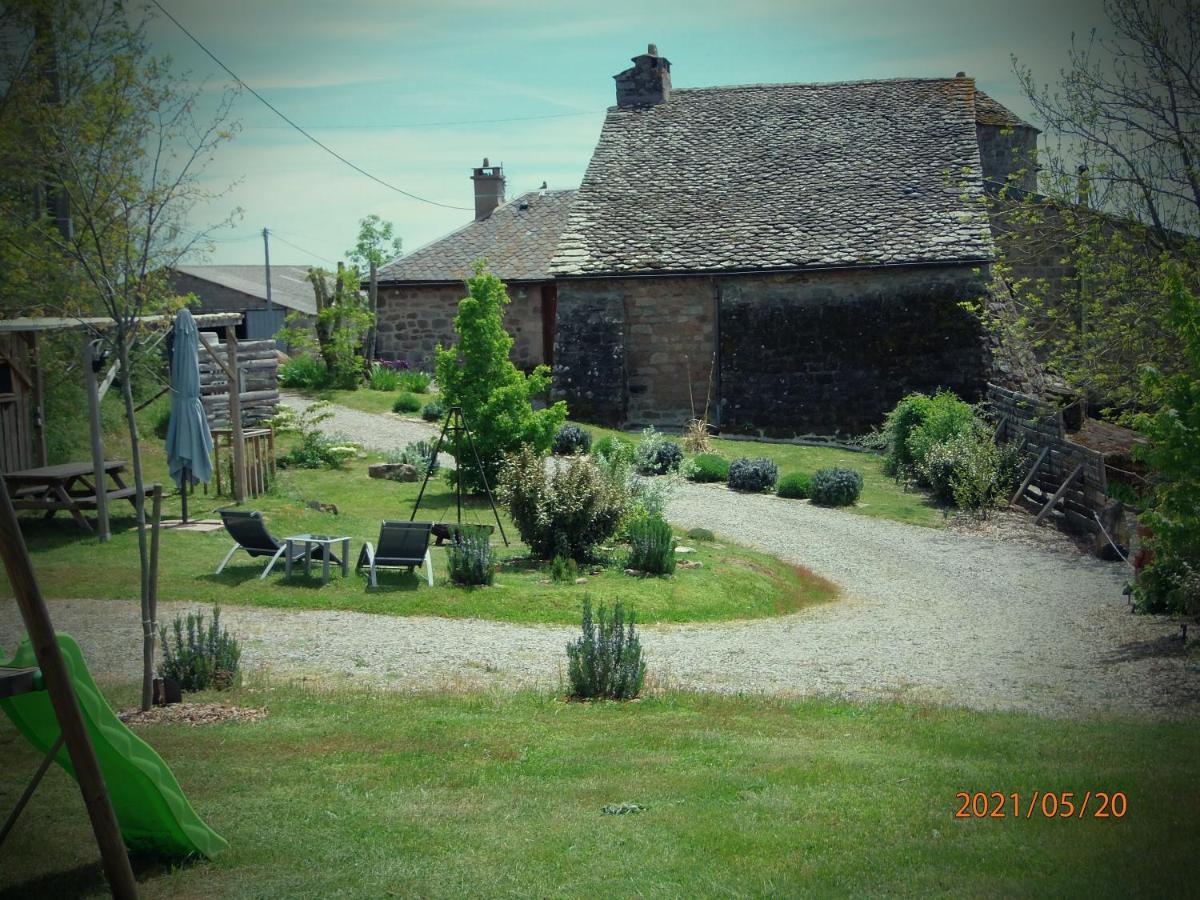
[154, 815]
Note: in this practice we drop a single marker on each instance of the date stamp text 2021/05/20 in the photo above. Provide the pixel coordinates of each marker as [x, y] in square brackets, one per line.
[1041, 805]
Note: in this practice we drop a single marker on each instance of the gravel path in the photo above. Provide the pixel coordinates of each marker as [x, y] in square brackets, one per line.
[374, 431]
[926, 615]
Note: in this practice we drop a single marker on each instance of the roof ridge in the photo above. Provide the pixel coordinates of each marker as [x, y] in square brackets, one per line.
[896, 80]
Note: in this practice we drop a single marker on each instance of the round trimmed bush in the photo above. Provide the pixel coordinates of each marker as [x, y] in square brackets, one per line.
[432, 411]
[795, 486]
[571, 439]
[708, 467]
[701, 534]
[755, 475]
[836, 487]
[407, 403]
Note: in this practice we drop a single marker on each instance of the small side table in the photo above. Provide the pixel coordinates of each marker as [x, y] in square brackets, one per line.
[323, 541]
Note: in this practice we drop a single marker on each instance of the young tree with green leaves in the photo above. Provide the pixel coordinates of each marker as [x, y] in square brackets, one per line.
[376, 244]
[478, 375]
[102, 156]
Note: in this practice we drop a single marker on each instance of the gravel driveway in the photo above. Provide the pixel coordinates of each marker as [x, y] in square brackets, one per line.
[926, 615]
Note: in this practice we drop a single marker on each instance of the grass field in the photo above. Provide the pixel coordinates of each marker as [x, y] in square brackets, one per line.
[374, 795]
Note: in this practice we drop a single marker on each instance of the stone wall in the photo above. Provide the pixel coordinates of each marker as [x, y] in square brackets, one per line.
[1005, 151]
[414, 319]
[821, 353]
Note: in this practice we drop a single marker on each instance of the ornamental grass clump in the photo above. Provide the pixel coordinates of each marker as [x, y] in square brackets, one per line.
[836, 487]
[651, 546]
[414, 381]
[418, 454]
[383, 378]
[407, 403]
[605, 662]
[199, 657]
[470, 558]
[795, 486]
[753, 475]
[708, 467]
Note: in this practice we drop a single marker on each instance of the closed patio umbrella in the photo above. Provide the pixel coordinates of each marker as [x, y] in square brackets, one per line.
[189, 442]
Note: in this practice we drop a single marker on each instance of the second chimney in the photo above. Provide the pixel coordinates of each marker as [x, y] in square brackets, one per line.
[648, 83]
[489, 189]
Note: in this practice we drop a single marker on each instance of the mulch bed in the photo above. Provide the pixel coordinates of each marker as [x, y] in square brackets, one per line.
[191, 714]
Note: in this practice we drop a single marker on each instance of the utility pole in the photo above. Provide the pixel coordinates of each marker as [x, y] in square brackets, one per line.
[373, 293]
[267, 266]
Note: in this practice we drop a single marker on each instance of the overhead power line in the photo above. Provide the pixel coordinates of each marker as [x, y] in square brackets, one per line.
[365, 127]
[275, 236]
[269, 106]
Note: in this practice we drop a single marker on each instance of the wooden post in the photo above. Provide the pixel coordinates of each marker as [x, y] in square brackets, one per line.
[39, 401]
[1029, 478]
[36, 616]
[101, 480]
[1062, 489]
[235, 416]
[373, 294]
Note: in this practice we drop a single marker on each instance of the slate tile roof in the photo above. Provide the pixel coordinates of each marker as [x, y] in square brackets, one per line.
[289, 284]
[518, 240]
[991, 112]
[782, 176]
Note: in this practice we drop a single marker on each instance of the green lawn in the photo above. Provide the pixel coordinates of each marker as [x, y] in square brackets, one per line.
[380, 794]
[370, 401]
[732, 583]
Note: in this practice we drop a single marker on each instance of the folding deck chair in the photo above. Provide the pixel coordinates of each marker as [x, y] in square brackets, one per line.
[401, 545]
[249, 533]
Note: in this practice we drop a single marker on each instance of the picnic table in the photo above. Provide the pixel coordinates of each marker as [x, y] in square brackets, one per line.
[68, 486]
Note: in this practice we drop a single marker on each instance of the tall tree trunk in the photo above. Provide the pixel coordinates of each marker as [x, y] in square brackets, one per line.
[140, 504]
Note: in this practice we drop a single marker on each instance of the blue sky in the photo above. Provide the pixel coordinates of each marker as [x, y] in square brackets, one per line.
[411, 91]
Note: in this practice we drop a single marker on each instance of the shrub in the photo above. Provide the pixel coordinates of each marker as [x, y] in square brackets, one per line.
[315, 450]
[939, 463]
[701, 534]
[414, 381]
[417, 454]
[983, 474]
[303, 371]
[605, 661]
[752, 474]
[571, 439]
[565, 512]
[470, 557]
[563, 570]
[433, 411]
[199, 657]
[496, 397]
[655, 455]
[406, 403]
[795, 486]
[708, 467]
[947, 418]
[651, 546]
[609, 449]
[383, 378]
[836, 487]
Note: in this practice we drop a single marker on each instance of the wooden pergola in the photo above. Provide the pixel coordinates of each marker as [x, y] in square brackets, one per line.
[22, 396]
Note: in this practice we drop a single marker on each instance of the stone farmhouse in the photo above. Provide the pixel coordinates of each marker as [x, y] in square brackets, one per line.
[799, 254]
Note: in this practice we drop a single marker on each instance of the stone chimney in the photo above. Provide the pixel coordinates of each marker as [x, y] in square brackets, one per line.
[489, 189]
[648, 83]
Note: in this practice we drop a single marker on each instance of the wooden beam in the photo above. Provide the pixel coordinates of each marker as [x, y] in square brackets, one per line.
[212, 351]
[1062, 489]
[235, 417]
[82, 754]
[109, 378]
[1029, 477]
[98, 472]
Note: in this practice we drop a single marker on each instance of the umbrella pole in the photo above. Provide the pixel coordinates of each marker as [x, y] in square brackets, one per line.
[183, 493]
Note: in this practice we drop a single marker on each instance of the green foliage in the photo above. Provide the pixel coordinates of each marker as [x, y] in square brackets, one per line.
[406, 403]
[315, 450]
[566, 512]
[383, 378]
[303, 371]
[605, 662]
[701, 534]
[795, 486]
[655, 455]
[433, 411]
[563, 570]
[708, 467]
[470, 557]
[984, 475]
[610, 449]
[478, 375]
[836, 487]
[376, 243]
[160, 416]
[1171, 582]
[571, 439]
[947, 417]
[417, 454]
[415, 381]
[651, 546]
[341, 325]
[754, 475]
[199, 657]
[901, 422]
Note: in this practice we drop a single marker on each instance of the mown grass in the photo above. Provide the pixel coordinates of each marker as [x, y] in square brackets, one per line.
[377, 794]
[366, 400]
[732, 583]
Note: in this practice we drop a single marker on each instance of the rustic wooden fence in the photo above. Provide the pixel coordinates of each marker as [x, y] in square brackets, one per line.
[1065, 481]
[258, 366]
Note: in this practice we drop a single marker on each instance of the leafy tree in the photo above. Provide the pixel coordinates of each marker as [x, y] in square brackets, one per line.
[478, 375]
[336, 338]
[376, 244]
[1171, 583]
[102, 157]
